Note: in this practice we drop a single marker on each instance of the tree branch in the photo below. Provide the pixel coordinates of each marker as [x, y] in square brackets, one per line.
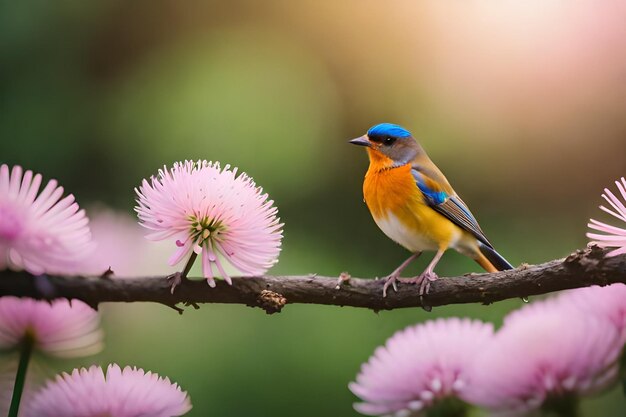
[583, 268]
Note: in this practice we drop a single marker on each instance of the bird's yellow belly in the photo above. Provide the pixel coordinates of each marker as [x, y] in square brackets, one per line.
[395, 229]
[399, 210]
[420, 229]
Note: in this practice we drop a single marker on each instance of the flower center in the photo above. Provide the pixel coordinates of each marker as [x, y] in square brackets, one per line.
[10, 223]
[204, 229]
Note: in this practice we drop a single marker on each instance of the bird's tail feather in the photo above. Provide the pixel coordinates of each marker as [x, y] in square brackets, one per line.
[495, 260]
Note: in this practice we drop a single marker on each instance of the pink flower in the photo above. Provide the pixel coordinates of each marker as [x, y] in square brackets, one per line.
[605, 303]
[545, 350]
[39, 232]
[213, 212]
[58, 328]
[121, 246]
[615, 237]
[130, 392]
[420, 366]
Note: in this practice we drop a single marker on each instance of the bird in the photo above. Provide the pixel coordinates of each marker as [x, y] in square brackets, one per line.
[413, 203]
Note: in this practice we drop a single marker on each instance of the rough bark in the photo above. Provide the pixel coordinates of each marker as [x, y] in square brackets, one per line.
[585, 267]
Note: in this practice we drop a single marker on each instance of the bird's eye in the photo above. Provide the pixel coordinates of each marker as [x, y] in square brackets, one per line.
[389, 140]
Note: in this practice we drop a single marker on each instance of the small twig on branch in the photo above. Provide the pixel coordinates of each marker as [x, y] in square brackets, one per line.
[583, 268]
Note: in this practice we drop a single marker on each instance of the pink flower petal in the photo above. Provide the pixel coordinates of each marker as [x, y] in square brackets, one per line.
[539, 353]
[615, 237]
[59, 329]
[217, 211]
[420, 365]
[128, 392]
[603, 227]
[40, 232]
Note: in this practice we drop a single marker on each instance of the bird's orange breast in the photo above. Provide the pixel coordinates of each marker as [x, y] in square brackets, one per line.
[389, 189]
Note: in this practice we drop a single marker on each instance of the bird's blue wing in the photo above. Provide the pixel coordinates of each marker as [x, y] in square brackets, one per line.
[447, 204]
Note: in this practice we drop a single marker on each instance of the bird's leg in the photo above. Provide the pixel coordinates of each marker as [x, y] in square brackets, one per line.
[429, 275]
[393, 277]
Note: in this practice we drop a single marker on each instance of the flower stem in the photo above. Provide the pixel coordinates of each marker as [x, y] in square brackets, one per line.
[20, 377]
[189, 264]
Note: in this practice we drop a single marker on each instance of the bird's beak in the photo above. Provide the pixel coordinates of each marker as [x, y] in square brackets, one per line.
[361, 141]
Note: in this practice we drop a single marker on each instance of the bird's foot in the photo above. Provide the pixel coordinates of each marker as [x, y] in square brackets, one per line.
[175, 279]
[392, 280]
[424, 281]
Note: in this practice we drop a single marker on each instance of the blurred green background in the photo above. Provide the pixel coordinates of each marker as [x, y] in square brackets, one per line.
[522, 105]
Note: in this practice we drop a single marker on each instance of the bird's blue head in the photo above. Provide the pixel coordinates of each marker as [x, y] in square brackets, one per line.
[390, 143]
[388, 129]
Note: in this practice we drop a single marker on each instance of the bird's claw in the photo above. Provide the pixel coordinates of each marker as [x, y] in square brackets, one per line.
[390, 280]
[424, 282]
